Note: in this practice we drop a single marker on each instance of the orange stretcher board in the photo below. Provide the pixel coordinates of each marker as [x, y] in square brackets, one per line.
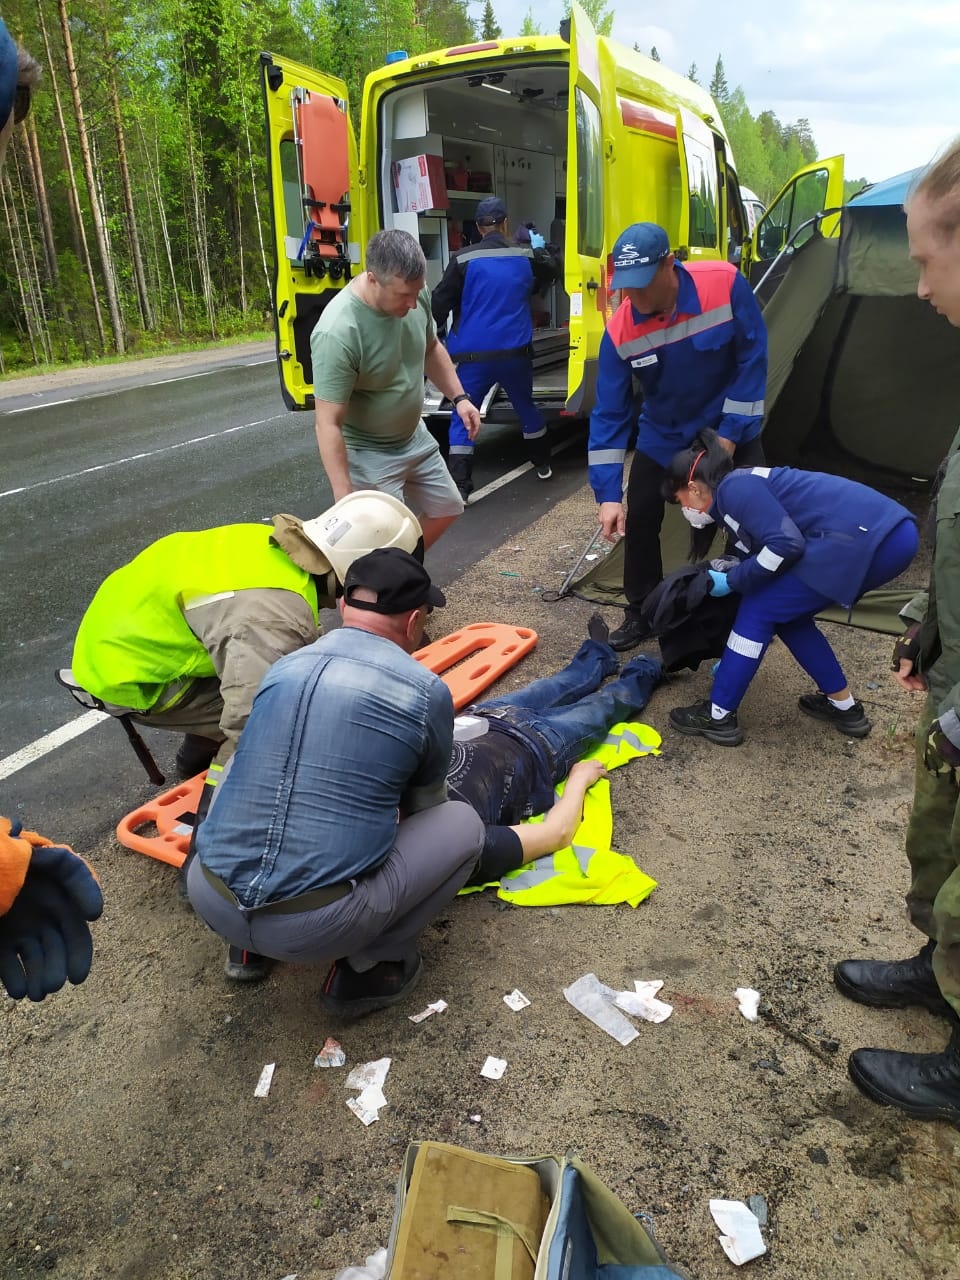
[326, 170]
[468, 661]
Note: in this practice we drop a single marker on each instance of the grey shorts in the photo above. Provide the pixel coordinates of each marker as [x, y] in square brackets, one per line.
[413, 472]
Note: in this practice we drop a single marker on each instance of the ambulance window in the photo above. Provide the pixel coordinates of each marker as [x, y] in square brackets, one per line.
[809, 200]
[589, 179]
[290, 178]
[702, 181]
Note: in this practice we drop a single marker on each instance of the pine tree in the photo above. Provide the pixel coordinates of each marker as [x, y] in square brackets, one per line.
[490, 29]
[693, 74]
[654, 54]
[529, 26]
[719, 89]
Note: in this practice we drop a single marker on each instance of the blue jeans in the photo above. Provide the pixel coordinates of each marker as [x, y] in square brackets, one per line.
[564, 716]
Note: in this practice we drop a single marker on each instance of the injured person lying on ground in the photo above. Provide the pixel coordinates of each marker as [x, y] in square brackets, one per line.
[533, 739]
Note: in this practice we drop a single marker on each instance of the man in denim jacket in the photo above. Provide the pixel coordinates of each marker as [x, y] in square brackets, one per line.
[330, 837]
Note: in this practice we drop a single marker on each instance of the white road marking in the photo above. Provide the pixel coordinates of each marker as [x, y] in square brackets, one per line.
[138, 457]
[494, 485]
[47, 404]
[35, 751]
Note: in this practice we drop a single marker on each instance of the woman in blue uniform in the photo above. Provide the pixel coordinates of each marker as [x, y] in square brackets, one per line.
[807, 540]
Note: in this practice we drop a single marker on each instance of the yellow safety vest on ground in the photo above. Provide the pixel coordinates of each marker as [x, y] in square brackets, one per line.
[588, 870]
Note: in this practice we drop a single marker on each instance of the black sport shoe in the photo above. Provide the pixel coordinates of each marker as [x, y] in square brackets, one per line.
[195, 754]
[544, 471]
[852, 722]
[894, 984]
[633, 632]
[697, 722]
[925, 1085]
[349, 994]
[246, 966]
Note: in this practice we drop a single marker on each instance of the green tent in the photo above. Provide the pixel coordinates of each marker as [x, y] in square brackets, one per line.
[863, 381]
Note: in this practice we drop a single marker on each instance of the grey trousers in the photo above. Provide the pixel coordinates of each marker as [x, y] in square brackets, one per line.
[433, 855]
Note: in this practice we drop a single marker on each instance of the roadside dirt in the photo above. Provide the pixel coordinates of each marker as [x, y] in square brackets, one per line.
[133, 1146]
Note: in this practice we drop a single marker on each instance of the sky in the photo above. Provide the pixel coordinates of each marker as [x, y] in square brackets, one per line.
[879, 80]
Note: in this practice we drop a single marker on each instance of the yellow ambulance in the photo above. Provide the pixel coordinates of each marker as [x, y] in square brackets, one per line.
[573, 132]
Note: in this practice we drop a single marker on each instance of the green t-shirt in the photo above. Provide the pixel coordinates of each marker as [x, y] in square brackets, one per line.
[372, 363]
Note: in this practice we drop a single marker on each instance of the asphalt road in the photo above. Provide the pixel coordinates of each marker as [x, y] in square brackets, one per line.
[92, 473]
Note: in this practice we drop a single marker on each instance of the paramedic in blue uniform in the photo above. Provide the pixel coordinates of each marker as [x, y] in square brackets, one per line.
[806, 540]
[488, 287]
[692, 336]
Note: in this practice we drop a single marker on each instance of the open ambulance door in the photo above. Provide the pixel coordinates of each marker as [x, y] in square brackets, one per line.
[311, 169]
[585, 277]
[701, 234]
[792, 219]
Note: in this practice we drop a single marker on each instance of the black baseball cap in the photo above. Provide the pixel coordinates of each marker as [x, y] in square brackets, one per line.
[490, 212]
[400, 581]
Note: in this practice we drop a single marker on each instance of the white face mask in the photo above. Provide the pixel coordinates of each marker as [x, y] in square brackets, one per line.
[699, 519]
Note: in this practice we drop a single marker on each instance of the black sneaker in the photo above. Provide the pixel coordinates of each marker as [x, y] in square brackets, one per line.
[633, 632]
[544, 471]
[246, 966]
[349, 994]
[852, 722]
[195, 754]
[697, 722]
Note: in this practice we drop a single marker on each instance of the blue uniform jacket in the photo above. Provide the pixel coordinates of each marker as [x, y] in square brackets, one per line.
[488, 287]
[694, 377]
[824, 528]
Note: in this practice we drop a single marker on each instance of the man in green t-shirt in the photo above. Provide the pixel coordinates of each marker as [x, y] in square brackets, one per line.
[371, 348]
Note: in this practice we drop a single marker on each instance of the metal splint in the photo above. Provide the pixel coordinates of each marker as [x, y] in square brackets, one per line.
[468, 661]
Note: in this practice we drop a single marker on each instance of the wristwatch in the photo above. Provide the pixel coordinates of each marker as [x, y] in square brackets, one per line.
[456, 399]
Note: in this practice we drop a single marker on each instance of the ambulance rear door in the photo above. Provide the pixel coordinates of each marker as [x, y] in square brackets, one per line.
[584, 266]
[311, 170]
[701, 235]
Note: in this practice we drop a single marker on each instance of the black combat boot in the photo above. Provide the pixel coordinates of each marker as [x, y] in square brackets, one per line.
[460, 466]
[925, 1085]
[893, 984]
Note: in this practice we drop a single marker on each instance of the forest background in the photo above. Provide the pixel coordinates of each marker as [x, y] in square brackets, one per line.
[134, 198]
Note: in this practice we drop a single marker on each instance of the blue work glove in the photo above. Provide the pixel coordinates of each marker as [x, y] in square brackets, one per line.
[940, 756]
[44, 937]
[721, 587]
[537, 241]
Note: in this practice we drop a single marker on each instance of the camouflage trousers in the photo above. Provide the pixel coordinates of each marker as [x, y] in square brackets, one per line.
[933, 848]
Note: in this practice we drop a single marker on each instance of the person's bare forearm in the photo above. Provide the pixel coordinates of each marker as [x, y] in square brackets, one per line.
[560, 823]
[333, 455]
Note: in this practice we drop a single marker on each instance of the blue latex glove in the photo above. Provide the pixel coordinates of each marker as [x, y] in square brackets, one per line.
[44, 937]
[537, 241]
[721, 587]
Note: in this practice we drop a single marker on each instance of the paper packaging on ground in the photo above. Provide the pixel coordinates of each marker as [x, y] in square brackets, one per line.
[420, 184]
[740, 1236]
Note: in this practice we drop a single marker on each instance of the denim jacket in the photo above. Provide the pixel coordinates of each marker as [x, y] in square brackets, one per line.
[342, 735]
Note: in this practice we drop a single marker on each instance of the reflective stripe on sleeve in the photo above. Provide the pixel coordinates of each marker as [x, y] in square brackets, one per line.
[763, 472]
[731, 523]
[599, 457]
[769, 560]
[746, 648]
[749, 408]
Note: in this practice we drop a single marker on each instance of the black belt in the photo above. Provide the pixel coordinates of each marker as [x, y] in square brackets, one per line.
[291, 906]
[510, 353]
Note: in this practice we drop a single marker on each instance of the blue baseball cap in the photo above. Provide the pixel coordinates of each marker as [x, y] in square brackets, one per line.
[637, 255]
[8, 73]
[490, 211]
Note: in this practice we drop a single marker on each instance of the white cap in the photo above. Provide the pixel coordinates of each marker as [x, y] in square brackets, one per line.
[361, 522]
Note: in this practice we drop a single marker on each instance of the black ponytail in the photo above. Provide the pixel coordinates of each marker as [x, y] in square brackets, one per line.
[707, 461]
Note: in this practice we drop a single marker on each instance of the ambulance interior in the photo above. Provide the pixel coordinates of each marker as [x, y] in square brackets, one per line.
[494, 131]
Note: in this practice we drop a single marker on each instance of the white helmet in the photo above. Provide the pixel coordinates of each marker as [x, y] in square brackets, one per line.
[362, 521]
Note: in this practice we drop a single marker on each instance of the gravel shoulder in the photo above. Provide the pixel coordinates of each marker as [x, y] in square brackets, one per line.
[134, 1147]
